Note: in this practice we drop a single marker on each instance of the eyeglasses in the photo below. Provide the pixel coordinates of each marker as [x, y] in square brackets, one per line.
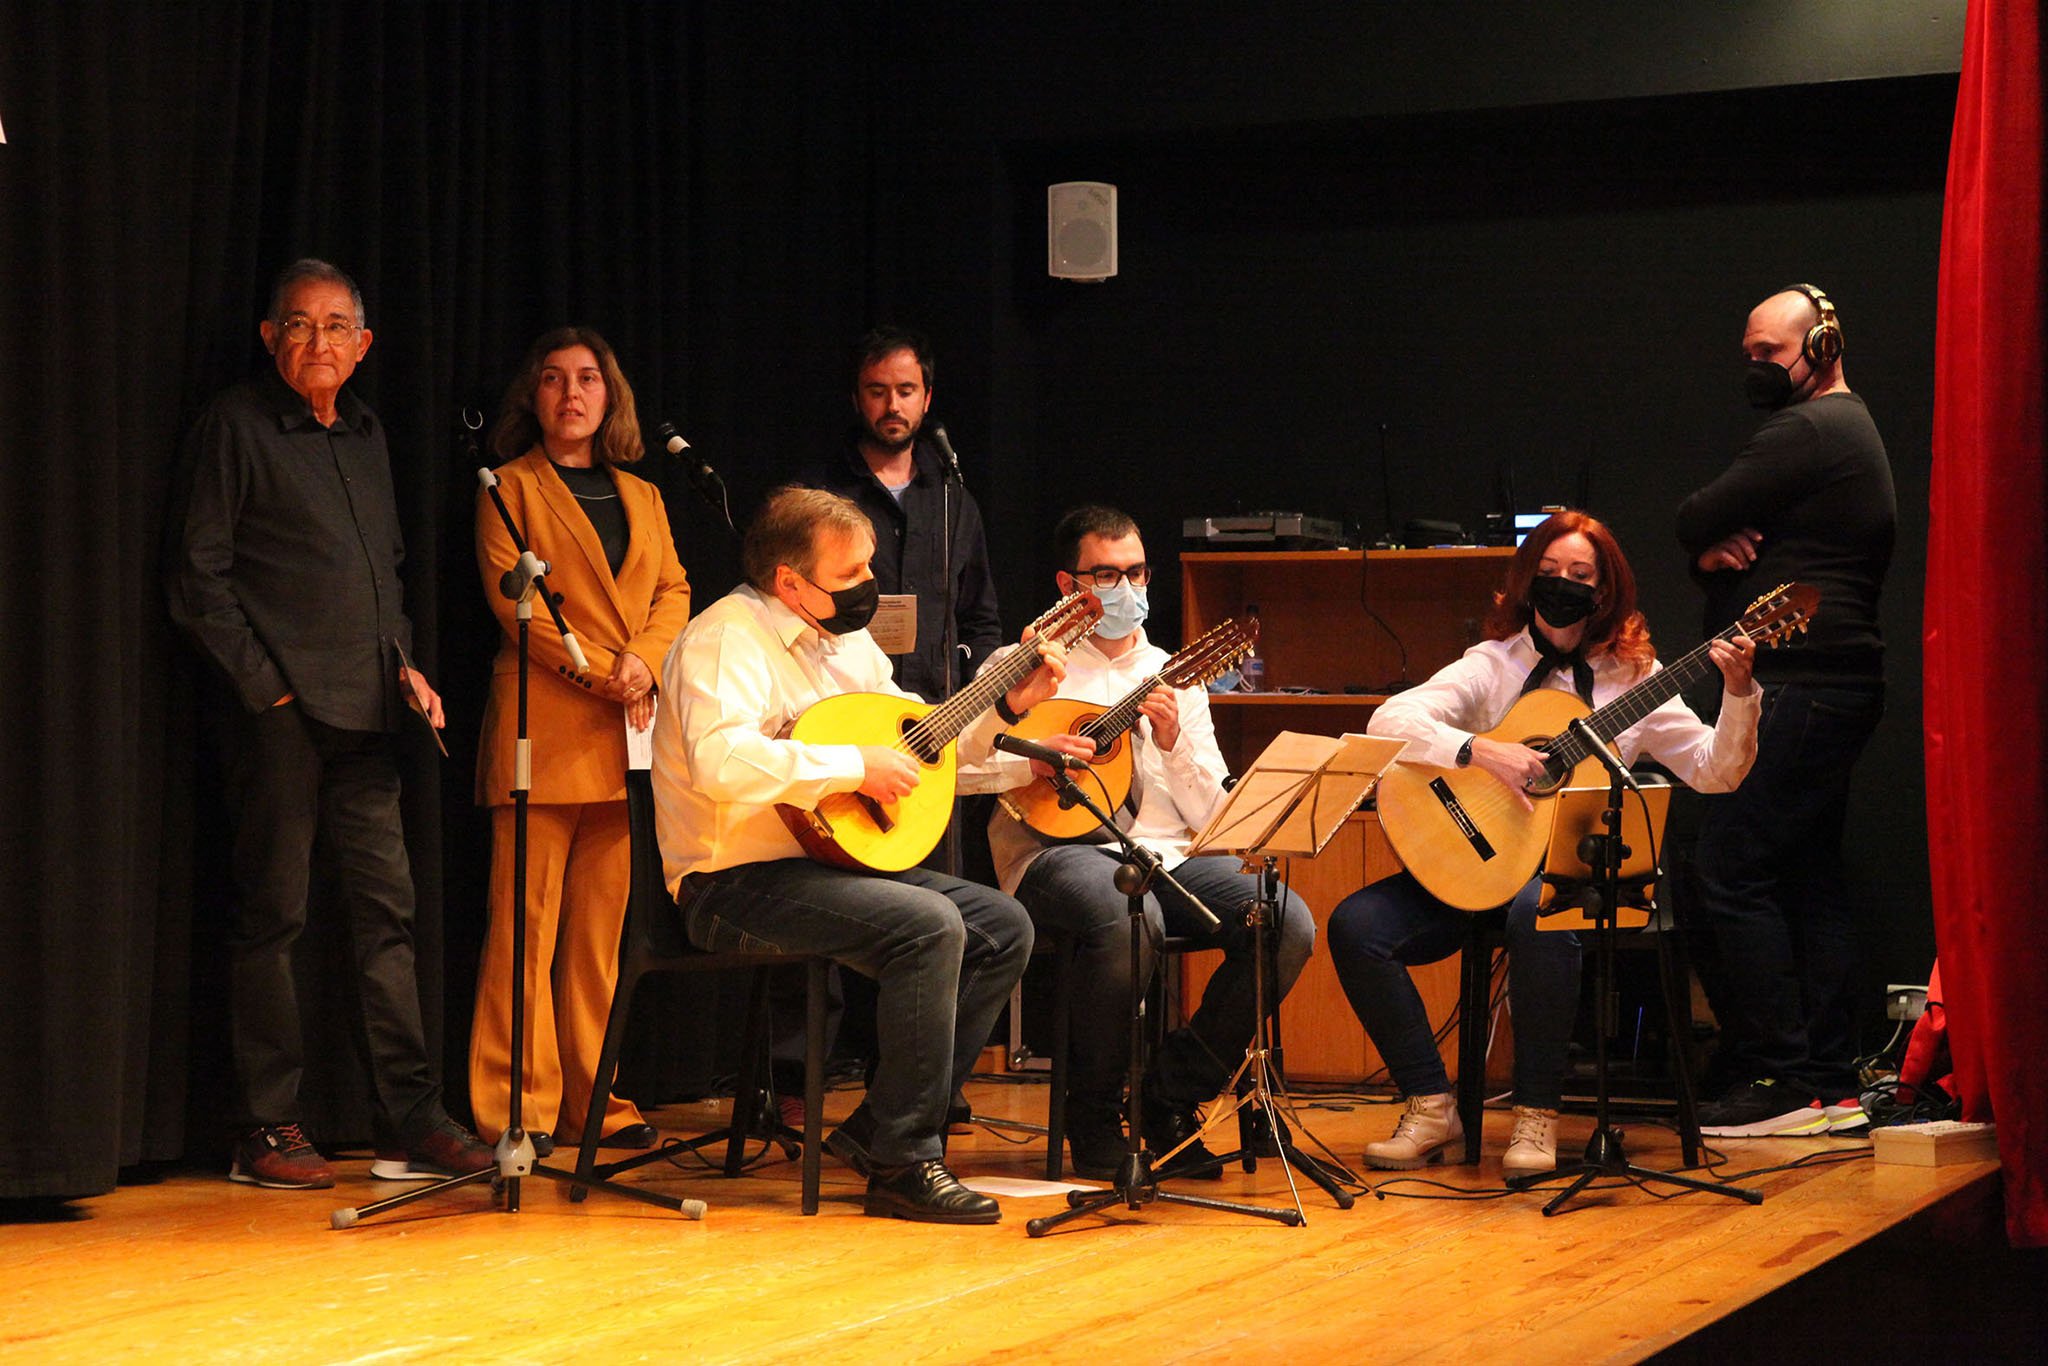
[299, 329]
[1109, 576]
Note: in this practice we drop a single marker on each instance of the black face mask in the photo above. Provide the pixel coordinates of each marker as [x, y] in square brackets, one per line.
[852, 608]
[1561, 601]
[1768, 384]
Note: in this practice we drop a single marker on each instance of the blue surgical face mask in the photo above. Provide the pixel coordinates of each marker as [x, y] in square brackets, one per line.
[1123, 610]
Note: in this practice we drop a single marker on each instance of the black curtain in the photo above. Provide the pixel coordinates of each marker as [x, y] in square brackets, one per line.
[679, 176]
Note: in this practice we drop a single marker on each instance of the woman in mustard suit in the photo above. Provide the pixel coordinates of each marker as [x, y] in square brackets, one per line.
[566, 431]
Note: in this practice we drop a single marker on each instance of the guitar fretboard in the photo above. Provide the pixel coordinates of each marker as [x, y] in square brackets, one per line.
[942, 724]
[1645, 697]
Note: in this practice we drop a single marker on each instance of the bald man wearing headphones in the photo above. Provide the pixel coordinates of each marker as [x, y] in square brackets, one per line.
[1808, 499]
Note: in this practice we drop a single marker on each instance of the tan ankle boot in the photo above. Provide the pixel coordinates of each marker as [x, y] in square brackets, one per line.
[1426, 1128]
[1533, 1145]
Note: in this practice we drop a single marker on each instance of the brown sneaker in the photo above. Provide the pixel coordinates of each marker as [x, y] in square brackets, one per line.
[279, 1157]
[447, 1149]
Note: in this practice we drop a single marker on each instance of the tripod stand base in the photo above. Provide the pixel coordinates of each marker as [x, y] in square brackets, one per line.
[1136, 1187]
[509, 1182]
[1605, 1156]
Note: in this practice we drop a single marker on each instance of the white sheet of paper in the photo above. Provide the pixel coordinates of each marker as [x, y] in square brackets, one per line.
[895, 625]
[640, 743]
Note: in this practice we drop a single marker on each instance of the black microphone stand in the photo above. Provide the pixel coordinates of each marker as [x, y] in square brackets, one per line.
[1603, 856]
[1135, 1185]
[526, 580]
[949, 476]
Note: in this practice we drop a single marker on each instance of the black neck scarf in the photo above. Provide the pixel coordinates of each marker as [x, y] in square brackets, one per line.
[1549, 660]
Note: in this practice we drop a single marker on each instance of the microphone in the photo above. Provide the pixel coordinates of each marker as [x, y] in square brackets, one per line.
[671, 441]
[702, 477]
[945, 448]
[1597, 746]
[1045, 754]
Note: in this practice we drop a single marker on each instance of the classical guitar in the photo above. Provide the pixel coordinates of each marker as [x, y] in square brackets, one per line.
[1037, 803]
[854, 830]
[1461, 832]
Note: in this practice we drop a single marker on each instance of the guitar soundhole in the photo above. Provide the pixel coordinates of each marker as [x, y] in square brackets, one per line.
[1555, 772]
[924, 752]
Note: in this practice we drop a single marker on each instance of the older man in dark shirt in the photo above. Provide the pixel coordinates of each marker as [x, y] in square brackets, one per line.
[285, 555]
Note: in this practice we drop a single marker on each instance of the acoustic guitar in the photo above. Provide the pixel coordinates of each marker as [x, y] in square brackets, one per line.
[1461, 833]
[856, 831]
[1037, 803]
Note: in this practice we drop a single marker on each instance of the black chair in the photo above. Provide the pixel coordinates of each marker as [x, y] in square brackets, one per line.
[653, 941]
[1170, 948]
[1488, 933]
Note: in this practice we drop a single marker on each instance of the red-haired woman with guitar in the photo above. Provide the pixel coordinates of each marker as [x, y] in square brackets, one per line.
[1564, 620]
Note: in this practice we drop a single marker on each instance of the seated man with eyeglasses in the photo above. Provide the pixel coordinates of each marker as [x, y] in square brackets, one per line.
[1176, 784]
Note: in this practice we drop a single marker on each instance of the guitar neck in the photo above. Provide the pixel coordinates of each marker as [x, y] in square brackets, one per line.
[943, 724]
[1122, 716]
[1191, 667]
[1645, 697]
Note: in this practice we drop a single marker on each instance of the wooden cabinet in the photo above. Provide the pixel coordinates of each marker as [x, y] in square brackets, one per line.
[1316, 632]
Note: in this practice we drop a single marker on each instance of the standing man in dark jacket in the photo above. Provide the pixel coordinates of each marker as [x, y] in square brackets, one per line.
[1808, 499]
[896, 474]
[285, 552]
[893, 470]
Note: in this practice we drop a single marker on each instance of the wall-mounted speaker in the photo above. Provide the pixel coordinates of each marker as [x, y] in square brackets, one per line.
[1080, 230]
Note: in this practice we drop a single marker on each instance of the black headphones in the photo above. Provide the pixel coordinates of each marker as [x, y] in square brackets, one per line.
[1823, 342]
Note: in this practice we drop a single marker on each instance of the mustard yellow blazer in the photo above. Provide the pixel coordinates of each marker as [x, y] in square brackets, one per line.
[577, 733]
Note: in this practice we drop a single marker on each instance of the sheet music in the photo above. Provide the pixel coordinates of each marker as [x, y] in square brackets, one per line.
[1296, 795]
[895, 625]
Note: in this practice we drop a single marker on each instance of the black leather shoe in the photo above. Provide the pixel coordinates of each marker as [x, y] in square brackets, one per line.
[1095, 1138]
[927, 1192]
[850, 1141]
[1165, 1127]
[1255, 1136]
[637, 1136]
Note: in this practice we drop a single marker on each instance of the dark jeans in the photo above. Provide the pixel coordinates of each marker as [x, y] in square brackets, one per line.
[944, 954]
[1768, 875]
[1380, 931]
[1068, 891]
[299, 784]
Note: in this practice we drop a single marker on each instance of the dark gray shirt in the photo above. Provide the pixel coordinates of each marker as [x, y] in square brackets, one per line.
[284, 554]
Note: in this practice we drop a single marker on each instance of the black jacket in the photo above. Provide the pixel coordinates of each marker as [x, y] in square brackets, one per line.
[908, 555]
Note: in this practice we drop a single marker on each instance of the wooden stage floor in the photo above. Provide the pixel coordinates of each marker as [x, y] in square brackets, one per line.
[193, 1268]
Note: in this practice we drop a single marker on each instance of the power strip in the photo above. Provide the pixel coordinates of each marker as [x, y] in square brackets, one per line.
[1938, 1143]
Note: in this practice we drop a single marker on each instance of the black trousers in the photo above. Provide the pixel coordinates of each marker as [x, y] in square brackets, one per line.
[297, 785]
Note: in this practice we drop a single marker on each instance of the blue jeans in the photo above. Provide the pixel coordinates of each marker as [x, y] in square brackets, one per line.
[944, 955]
[1068, 890]
[1380, 931]
[1768, 875]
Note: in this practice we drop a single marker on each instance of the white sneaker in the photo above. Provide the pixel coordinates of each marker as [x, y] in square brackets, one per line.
[1532, 1147]
[1427, 1126]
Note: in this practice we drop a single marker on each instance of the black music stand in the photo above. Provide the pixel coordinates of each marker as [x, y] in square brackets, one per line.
[1604, 896]
[1289, 804]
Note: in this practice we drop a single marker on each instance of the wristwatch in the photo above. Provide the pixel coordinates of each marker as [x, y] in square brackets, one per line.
[1465, 752]
[1010, 718]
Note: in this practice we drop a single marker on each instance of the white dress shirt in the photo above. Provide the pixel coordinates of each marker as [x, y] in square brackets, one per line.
[734, 679]
[1178, 789]
[1474, 693]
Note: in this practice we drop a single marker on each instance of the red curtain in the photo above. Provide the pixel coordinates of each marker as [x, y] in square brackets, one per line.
[1987, 606]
